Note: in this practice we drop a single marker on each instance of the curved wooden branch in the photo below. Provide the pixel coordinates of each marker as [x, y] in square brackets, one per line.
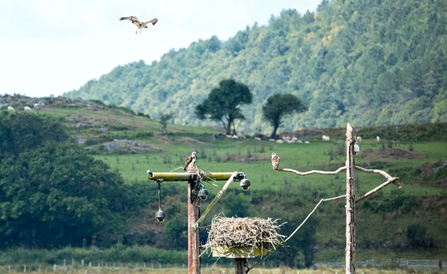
[391, 180]
[378, 171]
[312, 171]
[383, 173]
[334, 198]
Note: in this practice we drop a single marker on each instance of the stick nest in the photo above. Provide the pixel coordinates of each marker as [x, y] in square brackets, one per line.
[243, 232]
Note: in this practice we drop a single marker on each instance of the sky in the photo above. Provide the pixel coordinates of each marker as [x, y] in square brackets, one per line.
[54, 46]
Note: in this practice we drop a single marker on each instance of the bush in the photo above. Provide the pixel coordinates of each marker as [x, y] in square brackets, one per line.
[218, 158]
[116, 253]
[117, 127]
[99, 102]
[416, 132]
[144, 115]
[127, 110]
[416, 236]
[22, 255]
[91, 142]
[389, 144]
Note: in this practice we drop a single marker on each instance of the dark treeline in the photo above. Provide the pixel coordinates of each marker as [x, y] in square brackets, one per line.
[365, 62]
[432, 132]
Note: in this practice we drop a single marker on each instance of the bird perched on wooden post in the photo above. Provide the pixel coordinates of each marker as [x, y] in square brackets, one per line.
[191, 161]
[140, 25]
[275, 161]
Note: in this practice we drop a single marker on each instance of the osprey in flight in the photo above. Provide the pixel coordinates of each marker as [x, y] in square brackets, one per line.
[191, 160]
[275, 161]
[139, 24]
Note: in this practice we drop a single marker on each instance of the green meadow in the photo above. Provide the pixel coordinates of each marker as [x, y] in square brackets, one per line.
[220, 270]
[253, 158]
[416, 158]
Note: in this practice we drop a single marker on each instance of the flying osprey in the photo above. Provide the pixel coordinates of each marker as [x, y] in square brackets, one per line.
[191, 160]
[275, 161]
[139, 24]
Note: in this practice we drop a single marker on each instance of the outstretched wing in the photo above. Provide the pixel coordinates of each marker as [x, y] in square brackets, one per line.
[188, 162]
[133, 19]
[153, 21]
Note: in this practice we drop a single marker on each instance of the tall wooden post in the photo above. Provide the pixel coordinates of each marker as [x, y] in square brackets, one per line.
[350, 202]
[193, 206]
[239, 264]
[350, 168]
[193, 236]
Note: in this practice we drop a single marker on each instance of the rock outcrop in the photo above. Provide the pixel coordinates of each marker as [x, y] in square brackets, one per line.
[17, 99]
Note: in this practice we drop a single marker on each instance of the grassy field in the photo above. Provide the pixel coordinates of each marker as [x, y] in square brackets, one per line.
[212, 270]
[299, 156]
[119, 117]
[246, 155]
[253, 158]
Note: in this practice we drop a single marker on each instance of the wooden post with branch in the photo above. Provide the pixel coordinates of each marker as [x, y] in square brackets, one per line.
[351, 200]
[193, 206]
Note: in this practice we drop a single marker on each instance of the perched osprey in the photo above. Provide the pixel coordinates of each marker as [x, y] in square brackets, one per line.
[191, 160]
[275, 161]
[139, 24]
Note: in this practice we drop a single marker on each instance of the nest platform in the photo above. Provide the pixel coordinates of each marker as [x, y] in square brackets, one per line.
[242, 237]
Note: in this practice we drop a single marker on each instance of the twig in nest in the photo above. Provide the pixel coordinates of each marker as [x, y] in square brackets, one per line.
[200, 174]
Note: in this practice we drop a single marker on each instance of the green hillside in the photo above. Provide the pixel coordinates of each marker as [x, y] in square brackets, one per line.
[365, 62]
[406, 223]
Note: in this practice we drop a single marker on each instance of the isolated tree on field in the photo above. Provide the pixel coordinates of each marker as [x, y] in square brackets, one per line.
[279, 106]
[164, 118]
[223, 103]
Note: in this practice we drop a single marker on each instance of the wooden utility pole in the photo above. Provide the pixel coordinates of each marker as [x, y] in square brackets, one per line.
[193, 207]
[239, 264]
[350, 202]
[193, 236]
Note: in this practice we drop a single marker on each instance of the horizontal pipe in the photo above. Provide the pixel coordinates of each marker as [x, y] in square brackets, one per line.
[185, 176]
[166, 176]
[222, 176]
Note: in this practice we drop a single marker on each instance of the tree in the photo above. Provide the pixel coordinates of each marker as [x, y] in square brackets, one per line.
[300, 248]
[24, 131]
[416, 235]
[278, 106]
[239, 205]
[164, 118]
[223, 103]
[57, 195]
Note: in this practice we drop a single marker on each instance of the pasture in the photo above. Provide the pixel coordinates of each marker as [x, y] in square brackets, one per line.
[382, 217]
[245, 154]
[212, 270]
[253, 158]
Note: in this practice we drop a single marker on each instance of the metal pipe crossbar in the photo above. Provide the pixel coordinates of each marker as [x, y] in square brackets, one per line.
[193, 205]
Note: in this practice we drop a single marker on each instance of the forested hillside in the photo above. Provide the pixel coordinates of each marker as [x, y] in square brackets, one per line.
[366, 62]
